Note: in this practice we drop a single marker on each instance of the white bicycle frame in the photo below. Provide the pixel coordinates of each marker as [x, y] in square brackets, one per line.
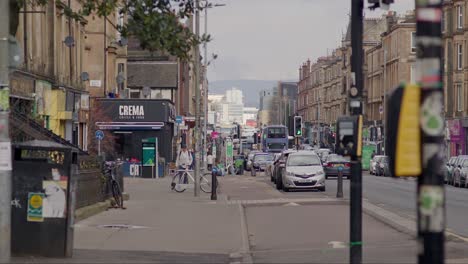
[190, 178]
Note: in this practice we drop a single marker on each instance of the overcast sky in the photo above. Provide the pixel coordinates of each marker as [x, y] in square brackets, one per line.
[269, 39]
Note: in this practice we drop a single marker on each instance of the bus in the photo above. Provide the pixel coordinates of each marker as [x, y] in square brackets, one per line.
[274, 138]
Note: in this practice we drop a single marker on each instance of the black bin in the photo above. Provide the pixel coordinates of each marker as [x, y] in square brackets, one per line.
[43, 198]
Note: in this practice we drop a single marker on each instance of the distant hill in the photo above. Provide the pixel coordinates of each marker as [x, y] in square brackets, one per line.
[250, 89]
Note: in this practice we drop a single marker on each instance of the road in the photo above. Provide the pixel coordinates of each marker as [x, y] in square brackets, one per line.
[399, 196]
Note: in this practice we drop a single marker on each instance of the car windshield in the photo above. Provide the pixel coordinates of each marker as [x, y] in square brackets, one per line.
[263, 158]
[336, 158]
[303, 160]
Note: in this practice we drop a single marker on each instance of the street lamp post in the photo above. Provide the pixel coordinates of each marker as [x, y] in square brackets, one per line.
[205, 84]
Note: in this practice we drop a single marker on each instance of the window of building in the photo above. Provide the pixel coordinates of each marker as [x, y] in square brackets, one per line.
[413, 73]
[442, 22]
[459, 90]
[459, 56]
[413, 42]
[459, 17]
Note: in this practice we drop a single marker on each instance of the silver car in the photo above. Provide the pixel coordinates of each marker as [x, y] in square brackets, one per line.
[303, 170]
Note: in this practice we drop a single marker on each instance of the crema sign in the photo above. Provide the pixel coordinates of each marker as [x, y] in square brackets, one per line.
[131, 112]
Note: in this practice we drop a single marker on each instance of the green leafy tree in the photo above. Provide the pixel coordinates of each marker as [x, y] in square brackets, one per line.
[157, 24]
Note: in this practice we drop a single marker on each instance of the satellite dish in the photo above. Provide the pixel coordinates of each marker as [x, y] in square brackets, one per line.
[123, 42]
[69, 41]
[120, 78]
[146, 91]
[84, 76]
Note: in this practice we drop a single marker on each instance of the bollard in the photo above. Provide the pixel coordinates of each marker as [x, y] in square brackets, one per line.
[339, 189]
[214, 183]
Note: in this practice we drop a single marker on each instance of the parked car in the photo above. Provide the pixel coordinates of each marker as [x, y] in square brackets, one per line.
[380, 165]
[303, 170]
[260, 162]
[332, 164]
[457, 176]
[323, 153]
[449, 166]
[249, 159]
[373, 163]
[279, 165]
[271, 166]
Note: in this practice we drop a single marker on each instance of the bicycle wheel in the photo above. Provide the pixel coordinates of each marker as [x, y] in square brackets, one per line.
[117, 194]
[180, 179]
[205, 185]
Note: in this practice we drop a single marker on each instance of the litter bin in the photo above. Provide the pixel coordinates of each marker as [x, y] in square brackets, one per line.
[43, 199]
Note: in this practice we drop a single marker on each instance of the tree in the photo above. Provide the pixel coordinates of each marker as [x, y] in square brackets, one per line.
[157, 24]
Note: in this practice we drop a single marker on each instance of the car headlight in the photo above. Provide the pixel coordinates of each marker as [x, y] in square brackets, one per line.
[319, 173]
[288, 173]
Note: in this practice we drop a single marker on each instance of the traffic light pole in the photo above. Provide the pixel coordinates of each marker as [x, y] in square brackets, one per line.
[355, 107]
[430, 190]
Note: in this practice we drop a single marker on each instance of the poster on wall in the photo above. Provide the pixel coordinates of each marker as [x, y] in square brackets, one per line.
[55, 201]
[35, 207]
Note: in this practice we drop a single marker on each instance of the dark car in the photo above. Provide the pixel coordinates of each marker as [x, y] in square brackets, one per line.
[380, 165]
[333, 163]
[260, 161]
[279, 164]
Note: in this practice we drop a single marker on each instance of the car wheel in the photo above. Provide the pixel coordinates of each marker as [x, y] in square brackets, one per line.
[285, 189]
[279, 183]
[322, 189]
[326, 177]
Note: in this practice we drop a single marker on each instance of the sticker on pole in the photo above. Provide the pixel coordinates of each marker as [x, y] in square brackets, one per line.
[5, 156]
[432, 121]
[35, 203]
[431, 208]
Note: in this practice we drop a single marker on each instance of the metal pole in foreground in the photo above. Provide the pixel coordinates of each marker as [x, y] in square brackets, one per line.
[197, 100]
[205, 88]
[214, 183]
[339, 189]
[5, 145]
[355, 106]
[430, 190]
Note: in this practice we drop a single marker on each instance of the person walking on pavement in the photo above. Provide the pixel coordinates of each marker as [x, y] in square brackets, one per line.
[209, 161]
[184, 160]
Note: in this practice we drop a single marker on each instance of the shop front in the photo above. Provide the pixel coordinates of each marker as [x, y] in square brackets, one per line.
[457, 137]
[132, 121]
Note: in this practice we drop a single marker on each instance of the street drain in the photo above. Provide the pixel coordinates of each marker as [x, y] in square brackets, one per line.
[122, 226]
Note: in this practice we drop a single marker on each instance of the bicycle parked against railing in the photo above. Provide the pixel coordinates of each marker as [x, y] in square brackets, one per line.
[182, 179]
[109, 171]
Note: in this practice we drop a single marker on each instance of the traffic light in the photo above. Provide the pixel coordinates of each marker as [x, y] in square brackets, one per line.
[298, 126]
[403, 136]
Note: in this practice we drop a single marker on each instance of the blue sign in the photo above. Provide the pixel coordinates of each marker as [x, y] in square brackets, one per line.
[179, 119]
[99, 135]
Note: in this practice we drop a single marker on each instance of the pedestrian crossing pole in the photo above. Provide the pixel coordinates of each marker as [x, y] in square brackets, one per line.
[430, 188]
[355, 108]
[5, 152]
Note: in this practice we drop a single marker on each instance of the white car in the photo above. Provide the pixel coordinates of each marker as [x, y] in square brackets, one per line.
[303, 170]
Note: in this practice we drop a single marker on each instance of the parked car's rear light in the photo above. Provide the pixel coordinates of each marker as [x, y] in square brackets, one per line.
[330, 165]
[348, 165]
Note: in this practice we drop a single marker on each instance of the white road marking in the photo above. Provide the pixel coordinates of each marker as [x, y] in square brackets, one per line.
[337, 244]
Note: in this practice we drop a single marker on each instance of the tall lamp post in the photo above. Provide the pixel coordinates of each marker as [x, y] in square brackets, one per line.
[205, 82]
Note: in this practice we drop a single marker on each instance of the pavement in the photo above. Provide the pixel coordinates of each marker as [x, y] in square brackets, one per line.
[251, 222]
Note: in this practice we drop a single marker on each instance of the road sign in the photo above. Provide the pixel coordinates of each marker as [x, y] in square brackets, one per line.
[99, 135]
[179, 119]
